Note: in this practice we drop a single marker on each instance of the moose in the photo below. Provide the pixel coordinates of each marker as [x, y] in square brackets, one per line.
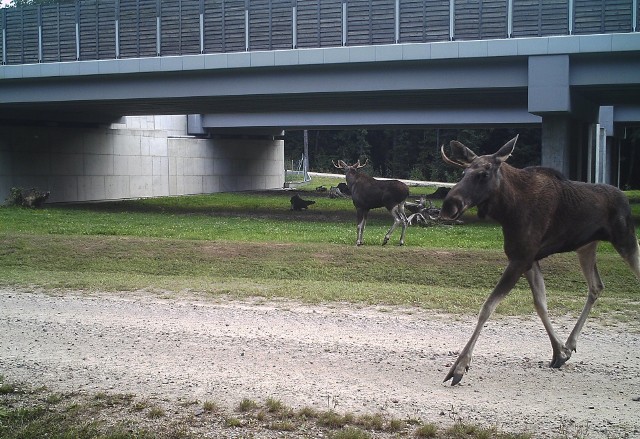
[368, 193]
[541, 213]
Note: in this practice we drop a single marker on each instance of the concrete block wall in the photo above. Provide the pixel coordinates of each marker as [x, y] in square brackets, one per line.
[134, 158]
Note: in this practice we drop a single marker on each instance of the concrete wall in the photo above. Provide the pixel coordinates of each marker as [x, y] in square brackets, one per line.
[138, 157]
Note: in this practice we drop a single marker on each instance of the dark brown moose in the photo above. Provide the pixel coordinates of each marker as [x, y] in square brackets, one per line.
[368, 193]
[541, 213]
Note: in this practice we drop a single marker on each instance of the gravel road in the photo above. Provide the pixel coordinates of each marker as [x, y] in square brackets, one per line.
[353, 359]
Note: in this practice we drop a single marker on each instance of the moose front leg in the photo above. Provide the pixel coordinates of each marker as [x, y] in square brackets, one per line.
[505, 285]
[362, 221]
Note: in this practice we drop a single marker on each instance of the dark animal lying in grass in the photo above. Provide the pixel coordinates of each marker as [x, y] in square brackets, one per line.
[541, 213]
[298, 203]
[344, 189]
[28, 198]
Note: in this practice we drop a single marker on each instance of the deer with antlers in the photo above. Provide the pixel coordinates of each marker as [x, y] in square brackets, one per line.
[541, 213]
[368, 193]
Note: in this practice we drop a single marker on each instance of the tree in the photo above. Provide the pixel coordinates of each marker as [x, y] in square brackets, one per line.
[407, 153]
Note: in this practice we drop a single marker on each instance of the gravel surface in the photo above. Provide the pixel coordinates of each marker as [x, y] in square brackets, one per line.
[342, 357]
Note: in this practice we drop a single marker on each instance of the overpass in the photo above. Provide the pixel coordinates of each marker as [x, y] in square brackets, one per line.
[255, 68]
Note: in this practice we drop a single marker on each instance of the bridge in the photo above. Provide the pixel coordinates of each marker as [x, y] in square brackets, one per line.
[255, 68]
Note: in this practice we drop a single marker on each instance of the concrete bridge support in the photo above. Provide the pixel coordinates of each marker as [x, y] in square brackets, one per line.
[139, 157]
[568, 120]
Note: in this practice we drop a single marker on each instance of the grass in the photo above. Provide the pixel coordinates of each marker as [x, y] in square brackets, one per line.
[251, 244]
[31, 413]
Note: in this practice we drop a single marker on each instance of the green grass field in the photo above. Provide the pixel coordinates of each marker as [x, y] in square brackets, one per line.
[252, 244]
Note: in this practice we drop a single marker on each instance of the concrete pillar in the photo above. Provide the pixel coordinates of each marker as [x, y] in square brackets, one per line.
[136, 158]
[556, 139]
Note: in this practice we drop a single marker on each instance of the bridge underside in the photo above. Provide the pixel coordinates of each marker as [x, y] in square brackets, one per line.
[560, 82]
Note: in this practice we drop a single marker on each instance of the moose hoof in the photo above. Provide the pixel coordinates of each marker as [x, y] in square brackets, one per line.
[560, 358]
[456, 372]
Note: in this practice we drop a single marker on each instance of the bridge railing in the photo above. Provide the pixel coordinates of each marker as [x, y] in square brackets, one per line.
[109, 29]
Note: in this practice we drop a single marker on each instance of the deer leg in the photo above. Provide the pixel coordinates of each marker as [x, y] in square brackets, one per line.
[362, 221]
[505, 285]
[534, 276]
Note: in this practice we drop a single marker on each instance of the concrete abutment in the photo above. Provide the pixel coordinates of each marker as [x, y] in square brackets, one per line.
[138, 157]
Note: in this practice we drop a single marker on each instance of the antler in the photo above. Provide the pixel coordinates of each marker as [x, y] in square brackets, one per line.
[358, 165]
[451, 162]
[340, 165]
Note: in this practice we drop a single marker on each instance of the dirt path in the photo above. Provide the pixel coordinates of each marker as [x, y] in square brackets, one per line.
[364, 360]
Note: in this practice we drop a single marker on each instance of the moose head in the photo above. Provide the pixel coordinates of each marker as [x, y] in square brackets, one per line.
[481, 177]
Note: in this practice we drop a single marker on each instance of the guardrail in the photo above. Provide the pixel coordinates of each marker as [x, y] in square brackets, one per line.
[111, 29]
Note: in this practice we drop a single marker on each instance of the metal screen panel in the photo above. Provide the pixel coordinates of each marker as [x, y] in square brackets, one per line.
[539, 18]
[234, 26]
[13, 25]
[50, 18]
[600, 16]
[30, 39]
[1, 40]
[190, 27]
[148, 27]
[370, 22]
[138, 28]
[308, 23]
[67, 24]
[493, 19]
[170, 27]
[88, 25]
[213, 26]
[281, 24]
[618, 16]
[128, 20]
[2, 27]
[260, 25]
[587, 16]
[22, 35]
[424, 21]
[383, 21]
[106, 29]
[270, 25]
[467, 19]
[477, 19]
[328, 23]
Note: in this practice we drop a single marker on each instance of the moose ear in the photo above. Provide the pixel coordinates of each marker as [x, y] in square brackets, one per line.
[505, 152]
[460, 155]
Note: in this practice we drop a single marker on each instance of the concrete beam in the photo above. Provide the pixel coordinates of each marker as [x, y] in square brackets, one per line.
[549, 87]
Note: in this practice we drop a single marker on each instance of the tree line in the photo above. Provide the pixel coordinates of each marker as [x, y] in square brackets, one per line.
[407, 153]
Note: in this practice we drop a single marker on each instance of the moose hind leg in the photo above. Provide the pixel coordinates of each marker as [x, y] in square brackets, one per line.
[534, 276]
[587, 258]
[398, 218]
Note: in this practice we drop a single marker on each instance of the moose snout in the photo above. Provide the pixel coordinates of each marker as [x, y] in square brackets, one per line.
[452, 208]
